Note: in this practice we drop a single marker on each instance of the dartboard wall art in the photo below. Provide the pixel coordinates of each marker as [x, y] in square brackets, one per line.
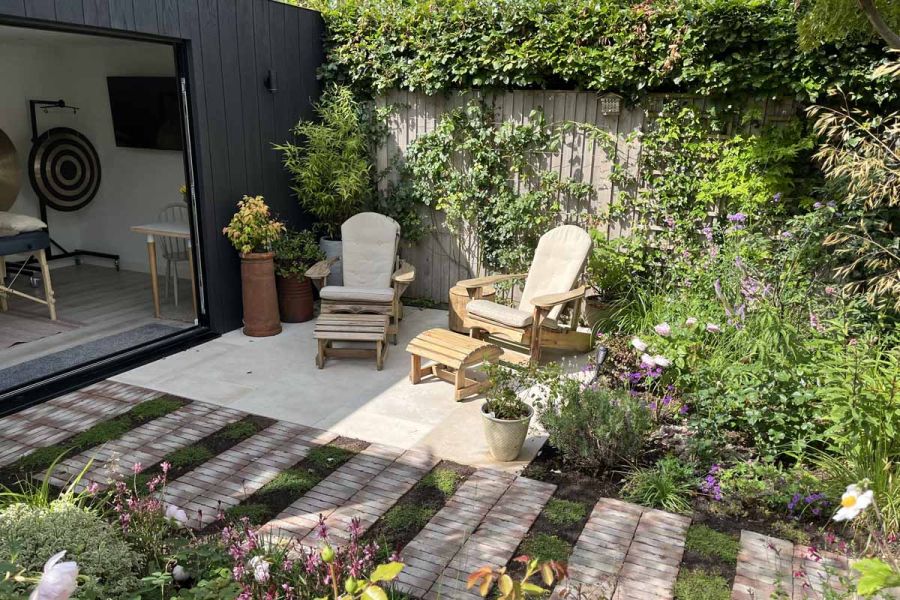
[65, 169]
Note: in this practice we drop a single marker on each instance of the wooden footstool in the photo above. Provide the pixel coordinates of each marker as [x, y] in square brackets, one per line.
[452, 354]
[351, 328]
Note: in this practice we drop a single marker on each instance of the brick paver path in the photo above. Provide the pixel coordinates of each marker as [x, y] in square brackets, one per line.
[234, 475]
[147, 444]
[60, 418]
[377, 496]
[429, 553]
[495, 540]
[300, 519]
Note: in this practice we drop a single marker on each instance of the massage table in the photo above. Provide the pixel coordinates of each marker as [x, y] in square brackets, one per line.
[33, 243]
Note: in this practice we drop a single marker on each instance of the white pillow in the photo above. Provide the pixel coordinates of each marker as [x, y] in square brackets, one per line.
[20, 223]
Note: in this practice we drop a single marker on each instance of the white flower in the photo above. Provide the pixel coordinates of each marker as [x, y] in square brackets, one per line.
[853, 502]
[662, 361]
[690, 321]
[663, 329]
[173, 512]
[58, 581]
[180, 574]
[639, 344]
[648, 360]
[713, 328]
[260, 569]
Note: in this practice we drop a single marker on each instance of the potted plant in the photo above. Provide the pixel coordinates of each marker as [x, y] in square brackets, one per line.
[295, 252]
[252, 232]
[331, 166]
[506, 416]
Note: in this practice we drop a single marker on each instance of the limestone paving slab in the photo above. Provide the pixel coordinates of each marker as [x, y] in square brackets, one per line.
[234, 475]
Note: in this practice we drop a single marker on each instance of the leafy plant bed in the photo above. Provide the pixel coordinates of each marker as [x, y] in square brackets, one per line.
[398, 526]
[290, 485]
[100, 433]
[190, 457]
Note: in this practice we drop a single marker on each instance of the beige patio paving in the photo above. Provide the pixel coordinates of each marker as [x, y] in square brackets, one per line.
[276, 377]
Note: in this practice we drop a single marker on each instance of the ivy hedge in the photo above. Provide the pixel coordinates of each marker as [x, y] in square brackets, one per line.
[727, 48]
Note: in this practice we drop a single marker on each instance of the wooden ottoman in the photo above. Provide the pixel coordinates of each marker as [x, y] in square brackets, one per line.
[452, 354]
[351, 328]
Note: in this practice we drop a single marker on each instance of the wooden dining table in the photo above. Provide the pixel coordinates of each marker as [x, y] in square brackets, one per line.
[173, 230]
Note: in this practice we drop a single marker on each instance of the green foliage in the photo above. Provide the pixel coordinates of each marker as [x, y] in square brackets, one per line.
[721, 47]
[712, 544]
[256, 513]
[189, 456]
[444, 480]
[405, 517]
[102, 432]
[156, 408]
[544, 547]
[238, 430]
[829, 21]
[668, 485]
[252, 227]
[505, 396]
[292, 481]
[696, 584]
[595, 428]
[760, 488]
[295, 252]
[330, 162]
[34, 534]
[564, 512]
[327, 457]
[469, 166]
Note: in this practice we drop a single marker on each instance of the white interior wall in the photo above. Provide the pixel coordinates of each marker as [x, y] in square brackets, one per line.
[136, 183]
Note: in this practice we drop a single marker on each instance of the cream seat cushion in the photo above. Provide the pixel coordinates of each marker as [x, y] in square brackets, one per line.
[369, 250]
[356, 294]
[13, 224]
[505, 315]
[558, 261]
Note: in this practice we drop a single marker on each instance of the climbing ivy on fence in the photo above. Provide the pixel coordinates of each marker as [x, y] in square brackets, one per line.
[734, 48]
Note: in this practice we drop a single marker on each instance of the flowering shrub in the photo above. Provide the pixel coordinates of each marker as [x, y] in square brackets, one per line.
[252, 228]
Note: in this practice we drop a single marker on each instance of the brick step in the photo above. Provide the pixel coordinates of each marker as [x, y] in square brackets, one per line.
[628, 551]
[435, 547]
[300, 519]
[495, 540]
[147, 444]
[60, 418]
[233, 476]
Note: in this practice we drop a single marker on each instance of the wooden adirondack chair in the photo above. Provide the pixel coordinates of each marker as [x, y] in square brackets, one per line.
[550, 286]
[374, 276]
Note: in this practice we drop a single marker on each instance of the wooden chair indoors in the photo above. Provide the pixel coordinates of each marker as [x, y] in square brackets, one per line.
[374, 276]
[550, 286]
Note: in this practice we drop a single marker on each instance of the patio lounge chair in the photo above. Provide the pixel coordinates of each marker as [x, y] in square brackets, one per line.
[550, 286]
[374, 276]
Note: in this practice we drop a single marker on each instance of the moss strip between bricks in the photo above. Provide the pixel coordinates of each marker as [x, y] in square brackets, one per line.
[290, 485]
[100, 433]
[399, 525]
[190, 457]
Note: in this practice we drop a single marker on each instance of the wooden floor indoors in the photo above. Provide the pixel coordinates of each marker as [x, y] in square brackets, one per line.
[91, 302]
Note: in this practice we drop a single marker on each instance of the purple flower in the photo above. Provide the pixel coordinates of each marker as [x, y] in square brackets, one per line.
[817, 205]
[713, 328]
[787, 235]
[776, 197]
[737, 217]
[663, 329]
[708, 232]
[684, 409]
[690, 321]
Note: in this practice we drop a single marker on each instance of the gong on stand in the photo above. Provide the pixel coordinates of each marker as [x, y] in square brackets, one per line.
[64, 170]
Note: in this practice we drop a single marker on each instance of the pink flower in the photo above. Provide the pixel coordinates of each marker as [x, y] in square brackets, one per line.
[260, 569]
[638, 344]
[647, 360]
[173, 512]
[93, 488]
[663, 329]
[713, 328]
[661, 361]
[137, 468]
[165, 466]
[58, 581]
[690, 321]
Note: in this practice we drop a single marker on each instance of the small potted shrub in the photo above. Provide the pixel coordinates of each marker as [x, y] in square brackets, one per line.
[506, 416]
[295, 252]
[331, 166]
[252, 232]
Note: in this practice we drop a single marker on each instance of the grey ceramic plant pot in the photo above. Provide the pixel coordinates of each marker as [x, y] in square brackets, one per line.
[332, 249]
[505, 438]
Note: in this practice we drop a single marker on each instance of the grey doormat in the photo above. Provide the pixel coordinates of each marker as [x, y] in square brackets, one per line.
[40, 368]
[19, 328]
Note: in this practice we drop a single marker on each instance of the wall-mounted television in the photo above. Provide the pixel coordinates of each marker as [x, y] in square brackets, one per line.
[145, 112]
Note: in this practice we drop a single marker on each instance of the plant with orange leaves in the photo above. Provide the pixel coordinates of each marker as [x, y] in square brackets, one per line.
[511, 589]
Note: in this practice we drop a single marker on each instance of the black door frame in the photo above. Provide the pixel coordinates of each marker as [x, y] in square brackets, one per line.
[90, 372]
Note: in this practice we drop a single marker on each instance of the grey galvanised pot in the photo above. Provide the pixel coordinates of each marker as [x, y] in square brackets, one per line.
[505, 438]
[332, 249]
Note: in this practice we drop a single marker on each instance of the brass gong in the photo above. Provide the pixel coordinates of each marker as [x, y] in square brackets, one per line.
[10, 173]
